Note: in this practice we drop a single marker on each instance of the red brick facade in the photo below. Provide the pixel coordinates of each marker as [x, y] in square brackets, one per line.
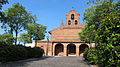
[65, 39]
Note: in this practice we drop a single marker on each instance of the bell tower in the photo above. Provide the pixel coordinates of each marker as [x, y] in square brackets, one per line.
[72, 17]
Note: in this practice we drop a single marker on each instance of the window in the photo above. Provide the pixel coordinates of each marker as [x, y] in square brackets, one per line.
[76, 22]
[69, 22]
[42, 47]
[72, 16]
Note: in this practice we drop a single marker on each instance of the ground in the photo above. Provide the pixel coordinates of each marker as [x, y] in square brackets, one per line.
[56, 61]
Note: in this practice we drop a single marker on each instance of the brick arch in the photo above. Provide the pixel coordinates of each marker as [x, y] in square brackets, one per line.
[82, 48]
[71, 49]
[59, 49]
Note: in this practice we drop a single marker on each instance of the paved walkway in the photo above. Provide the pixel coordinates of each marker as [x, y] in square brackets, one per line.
[71, 61]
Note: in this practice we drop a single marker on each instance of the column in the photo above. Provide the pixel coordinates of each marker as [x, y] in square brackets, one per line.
[77, 50]
[53, 52]
[50, 49]
[65, 50]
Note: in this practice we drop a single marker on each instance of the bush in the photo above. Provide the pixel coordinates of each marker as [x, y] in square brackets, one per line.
[38, 52]
[35, 52]
[108, 55]
[18, 52]
[117, 55]
[12, 53]
[104, 55]
[90, 55]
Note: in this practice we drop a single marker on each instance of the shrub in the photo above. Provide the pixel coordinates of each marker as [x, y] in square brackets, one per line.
[38, 52]
[12, 53]
[18, 52]
[105, 55]
[90, 55]
[108, 55]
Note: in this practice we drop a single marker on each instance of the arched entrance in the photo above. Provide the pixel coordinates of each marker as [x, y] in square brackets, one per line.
[59, 49]
[82, 48]
[71, 50]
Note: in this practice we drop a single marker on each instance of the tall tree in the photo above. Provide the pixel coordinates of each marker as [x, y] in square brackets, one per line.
[37, 32]
[18, 19]
[103, 17]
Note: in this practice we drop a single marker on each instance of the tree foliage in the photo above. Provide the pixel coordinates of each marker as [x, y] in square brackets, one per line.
[36, 31]
[85, 37]
[25, 38]
[17, 19]
[2, 2]
[103, 18]
[6, 39]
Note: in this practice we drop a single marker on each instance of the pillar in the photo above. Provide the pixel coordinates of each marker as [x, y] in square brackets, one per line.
[53, 52]
[65, 50]
[50, 49]
[77, 50]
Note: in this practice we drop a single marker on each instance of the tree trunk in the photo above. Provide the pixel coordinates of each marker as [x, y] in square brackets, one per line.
[11, 31]
[35, 43]
[16, 37]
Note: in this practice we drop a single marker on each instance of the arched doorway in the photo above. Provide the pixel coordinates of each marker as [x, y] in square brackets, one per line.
[82, 48]
[71, 50]
[59, 49]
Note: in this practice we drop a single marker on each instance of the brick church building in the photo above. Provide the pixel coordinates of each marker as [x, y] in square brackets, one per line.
[65, 39]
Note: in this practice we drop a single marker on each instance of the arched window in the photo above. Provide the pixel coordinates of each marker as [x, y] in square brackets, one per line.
[76, 22]
[69, 22]
[72, 16]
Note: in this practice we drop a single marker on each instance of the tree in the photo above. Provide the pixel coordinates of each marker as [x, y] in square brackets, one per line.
[2, 2]
[87, 35]
[37, 32]
[17, 19]
[103, 17]
[6, 39]
[25, 38]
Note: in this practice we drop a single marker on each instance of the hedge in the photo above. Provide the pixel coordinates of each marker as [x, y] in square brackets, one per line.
[18, 52]
[104, 57]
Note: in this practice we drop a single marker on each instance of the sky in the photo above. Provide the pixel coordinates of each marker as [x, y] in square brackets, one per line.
[50, 13]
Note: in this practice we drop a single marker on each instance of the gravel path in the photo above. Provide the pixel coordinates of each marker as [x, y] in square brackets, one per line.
[68, 61]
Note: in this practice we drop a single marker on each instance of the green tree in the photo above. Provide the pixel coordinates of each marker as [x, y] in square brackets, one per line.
[87, 34]
[37, 32]
[17, 19]
[2, 2]
[103, 17]
[6, 39]
[25, 38]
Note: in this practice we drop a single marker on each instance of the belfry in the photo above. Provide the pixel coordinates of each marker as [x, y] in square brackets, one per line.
[65, 39]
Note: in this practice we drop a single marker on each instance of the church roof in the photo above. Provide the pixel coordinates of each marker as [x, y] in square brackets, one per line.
[80, 26]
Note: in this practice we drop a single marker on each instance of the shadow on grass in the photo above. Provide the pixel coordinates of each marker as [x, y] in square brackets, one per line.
[23, 63]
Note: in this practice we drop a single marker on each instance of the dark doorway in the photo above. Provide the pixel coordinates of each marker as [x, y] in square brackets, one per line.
[83, 47]
[71, 49]
[58, 49]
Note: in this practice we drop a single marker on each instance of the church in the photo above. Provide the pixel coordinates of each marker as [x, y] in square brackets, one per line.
[65, 40]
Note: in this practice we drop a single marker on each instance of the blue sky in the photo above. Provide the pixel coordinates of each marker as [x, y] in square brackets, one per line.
[51, 12]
